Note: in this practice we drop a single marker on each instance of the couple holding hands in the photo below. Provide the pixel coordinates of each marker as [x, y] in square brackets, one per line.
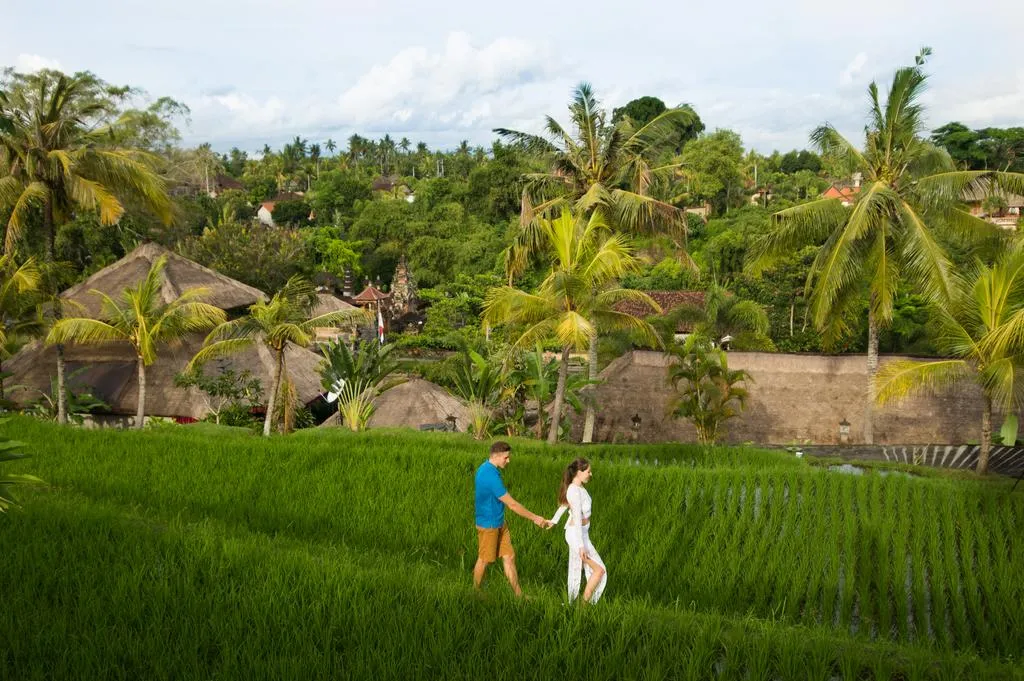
[493, 536]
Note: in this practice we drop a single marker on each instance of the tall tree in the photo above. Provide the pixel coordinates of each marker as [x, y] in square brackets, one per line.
[645, 109]
[596, 168]
[981, 331]
[141, 318]
[577, 296]
[286, 319]
[910, 193]
[59, 156]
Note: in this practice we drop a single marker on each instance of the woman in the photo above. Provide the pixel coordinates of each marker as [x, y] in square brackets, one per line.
[582, 553]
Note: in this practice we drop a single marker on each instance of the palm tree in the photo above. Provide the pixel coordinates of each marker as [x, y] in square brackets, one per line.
[481, 382]
[19, 307]
[709, 392]
[330, 145]
[537, 378]
[911, 193]
[57, 156]
[576, 297]
[286, 319]
[981, 330]
[356, 376]
[598, 168]
[141, 318]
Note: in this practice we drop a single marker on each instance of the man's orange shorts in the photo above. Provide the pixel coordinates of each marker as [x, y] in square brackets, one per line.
[494, 542]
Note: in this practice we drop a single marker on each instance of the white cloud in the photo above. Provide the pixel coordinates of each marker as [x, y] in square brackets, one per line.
[30, 63]
[419, 84]
[994, 102]
[853, 69]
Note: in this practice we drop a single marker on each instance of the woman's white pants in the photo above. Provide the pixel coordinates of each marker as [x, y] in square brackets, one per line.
[576, 565]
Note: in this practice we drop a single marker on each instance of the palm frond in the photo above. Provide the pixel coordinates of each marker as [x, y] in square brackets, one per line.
[900, 379]
[804, 225]
[83, 330]
[830, 142]
[218, 349]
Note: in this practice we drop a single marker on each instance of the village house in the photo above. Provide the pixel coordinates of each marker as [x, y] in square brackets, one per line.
[109, 371]
[998, 207]
[846, 192]
[265, 213]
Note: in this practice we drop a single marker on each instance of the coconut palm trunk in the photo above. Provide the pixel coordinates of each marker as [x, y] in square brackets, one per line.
[140, 412]
[591, 415]
[51, 237]
[986, 436]
[556, 409]
[869, 407]
[275, 387]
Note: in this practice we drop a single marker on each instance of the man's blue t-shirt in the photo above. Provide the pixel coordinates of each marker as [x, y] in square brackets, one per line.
[490, 512]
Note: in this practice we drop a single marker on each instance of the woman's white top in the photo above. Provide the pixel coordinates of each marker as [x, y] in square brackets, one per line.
[580, 507]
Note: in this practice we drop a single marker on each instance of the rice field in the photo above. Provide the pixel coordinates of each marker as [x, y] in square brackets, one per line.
[192, 553]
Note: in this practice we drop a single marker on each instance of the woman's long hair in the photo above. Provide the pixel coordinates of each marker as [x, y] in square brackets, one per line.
[575, 467]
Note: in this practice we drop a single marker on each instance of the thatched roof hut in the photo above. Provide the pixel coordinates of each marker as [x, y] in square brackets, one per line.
[415, 403]
[108, 370]
[180, 274]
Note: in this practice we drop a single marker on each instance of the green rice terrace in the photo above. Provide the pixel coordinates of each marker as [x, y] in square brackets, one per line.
[203, 553]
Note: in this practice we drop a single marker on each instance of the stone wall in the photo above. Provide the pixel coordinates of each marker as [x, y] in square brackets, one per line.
[793, 399]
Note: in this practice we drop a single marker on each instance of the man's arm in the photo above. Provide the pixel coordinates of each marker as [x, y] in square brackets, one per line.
[514, 506]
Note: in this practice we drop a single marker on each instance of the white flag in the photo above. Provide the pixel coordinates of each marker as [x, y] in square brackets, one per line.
[380, 325]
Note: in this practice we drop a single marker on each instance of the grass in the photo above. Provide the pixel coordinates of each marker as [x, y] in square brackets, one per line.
[184, 553]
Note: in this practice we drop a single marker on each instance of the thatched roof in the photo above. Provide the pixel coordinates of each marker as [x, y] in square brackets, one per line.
[109, 372]
[180, 274]
[413, 404]
[977, 193]
[328, 303]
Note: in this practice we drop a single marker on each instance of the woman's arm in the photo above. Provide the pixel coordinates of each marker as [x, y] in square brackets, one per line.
[558, 514]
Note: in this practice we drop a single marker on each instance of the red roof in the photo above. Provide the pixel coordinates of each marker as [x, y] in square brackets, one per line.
[371, 294]
[668, 300]
[842, 193]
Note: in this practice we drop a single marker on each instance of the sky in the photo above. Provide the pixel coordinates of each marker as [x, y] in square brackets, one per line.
[264, 71]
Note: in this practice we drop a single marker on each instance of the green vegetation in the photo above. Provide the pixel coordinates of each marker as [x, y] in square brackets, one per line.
[890, 236]
[980, 332]
[285, 320]
[709, 393]
[577, 297]
[348, 554]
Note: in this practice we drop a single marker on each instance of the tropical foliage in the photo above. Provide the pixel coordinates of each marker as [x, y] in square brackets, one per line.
[709, 393]
[11, 450]
[285, 320]
[60, 154]
[600, 168]
[982, 334]
[20, 316]
[576, 298]
[356, 376]
[890, 236]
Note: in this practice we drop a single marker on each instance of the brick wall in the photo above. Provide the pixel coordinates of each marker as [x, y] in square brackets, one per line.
[793, 399]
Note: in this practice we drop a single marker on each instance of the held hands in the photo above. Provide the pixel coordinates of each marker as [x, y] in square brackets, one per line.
[543, 523]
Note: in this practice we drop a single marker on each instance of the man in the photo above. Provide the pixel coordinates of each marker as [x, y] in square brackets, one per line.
[492, 534]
